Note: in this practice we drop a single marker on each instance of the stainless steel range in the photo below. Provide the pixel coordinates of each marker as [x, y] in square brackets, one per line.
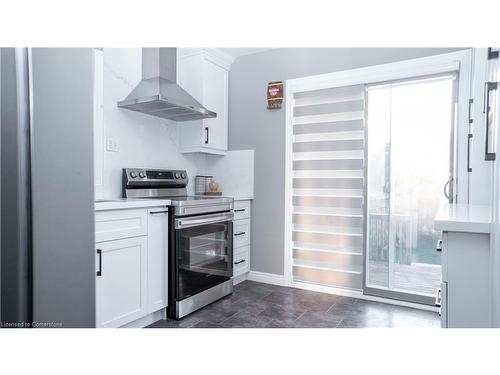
[200, 238]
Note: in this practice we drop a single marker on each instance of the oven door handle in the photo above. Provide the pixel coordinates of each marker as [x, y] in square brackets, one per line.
[209, 219]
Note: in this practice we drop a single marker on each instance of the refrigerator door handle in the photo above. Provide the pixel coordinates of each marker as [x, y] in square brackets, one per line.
[488, 88]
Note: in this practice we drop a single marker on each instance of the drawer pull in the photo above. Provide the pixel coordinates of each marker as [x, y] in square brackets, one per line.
[240, 210]
[158, 212]
[439, 245]
[240, 261]
[239, 234]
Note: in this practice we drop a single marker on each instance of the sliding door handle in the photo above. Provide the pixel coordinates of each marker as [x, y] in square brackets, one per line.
[447, 190]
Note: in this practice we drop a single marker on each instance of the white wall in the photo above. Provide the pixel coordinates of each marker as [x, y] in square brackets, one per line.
[143, 141]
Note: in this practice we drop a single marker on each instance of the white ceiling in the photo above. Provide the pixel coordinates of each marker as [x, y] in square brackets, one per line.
[237, 52]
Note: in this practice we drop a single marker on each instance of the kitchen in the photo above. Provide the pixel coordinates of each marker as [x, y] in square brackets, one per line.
[201, 219]
[279, 188]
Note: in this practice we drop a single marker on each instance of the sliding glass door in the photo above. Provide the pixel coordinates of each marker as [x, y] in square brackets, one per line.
[409, 176]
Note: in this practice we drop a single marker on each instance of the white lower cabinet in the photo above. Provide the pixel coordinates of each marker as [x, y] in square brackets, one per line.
[465, 286]
[241, 240]
[241, 261]
[121, 284]
[131, 272]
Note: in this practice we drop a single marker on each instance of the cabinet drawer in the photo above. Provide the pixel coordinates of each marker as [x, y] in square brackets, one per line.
[117, 224]
[241, 261]
[241, 233]
[241, 210]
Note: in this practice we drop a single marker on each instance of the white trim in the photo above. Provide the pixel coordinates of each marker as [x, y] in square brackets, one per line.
[274, 279]
[360, 295]
[267, 278]
[147, 320]
[217, 56]
[240, 278]
[460, 61]
[204, 150]
[384, 72]
[99, 128]
[288, 185]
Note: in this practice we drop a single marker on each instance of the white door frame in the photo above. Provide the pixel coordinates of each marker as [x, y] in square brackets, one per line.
[460, 61]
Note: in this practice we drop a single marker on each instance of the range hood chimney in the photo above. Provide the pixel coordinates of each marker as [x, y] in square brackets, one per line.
[158, 94]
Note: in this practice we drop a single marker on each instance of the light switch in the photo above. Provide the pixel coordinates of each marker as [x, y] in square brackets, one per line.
[111, 145]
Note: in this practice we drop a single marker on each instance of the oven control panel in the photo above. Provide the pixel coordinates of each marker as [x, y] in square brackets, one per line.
[154, 178]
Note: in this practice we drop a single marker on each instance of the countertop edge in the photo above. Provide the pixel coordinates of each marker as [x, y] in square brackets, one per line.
[463, 218]
[244, 198]
[124, 205]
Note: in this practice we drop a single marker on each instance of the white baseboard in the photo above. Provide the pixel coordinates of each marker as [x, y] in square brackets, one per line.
[268, 278]
[240, 278]
[271, 278]
[147, 320]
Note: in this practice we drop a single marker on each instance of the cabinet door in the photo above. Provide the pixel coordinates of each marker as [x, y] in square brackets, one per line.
[121, 281]
[215, 93]
[157, 259]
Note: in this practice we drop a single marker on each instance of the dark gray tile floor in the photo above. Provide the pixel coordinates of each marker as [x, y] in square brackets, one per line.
[257, 305]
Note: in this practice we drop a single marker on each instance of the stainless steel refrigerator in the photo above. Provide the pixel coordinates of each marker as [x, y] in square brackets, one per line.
[47, 199]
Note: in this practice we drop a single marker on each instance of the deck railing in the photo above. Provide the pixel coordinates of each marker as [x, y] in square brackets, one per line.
[402, 236]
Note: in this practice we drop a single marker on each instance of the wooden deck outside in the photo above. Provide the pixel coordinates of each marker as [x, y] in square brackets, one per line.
[417, 277]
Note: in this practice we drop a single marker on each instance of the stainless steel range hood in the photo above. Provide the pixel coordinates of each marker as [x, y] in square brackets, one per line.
[158, 94]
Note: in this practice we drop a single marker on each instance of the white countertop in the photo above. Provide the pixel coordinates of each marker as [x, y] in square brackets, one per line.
[243, 198]
[463, 218]
[122, 204]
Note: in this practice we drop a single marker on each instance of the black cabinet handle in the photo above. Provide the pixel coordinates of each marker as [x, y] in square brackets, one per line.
[492, 54]
[206, 135]
[99, 253]
[439, 245]
[158, 212]
[240, 210]
[239, 234]
[240, 261]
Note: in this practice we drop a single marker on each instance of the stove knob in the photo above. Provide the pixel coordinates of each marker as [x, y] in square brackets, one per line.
[142, 174]
[183, 175]
[133, 174]
[177, 175]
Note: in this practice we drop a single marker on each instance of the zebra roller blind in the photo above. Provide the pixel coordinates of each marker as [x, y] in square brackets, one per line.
[327, 192]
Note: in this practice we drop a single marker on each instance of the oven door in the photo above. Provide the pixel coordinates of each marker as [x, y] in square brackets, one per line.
[203, 252]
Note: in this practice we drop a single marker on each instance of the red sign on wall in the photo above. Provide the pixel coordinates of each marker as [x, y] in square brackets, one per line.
[274, 95]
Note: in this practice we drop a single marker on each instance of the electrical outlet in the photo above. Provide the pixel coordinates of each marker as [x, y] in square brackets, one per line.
[111, 145]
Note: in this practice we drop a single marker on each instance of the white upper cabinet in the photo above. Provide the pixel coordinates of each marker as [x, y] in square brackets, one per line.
[204, 73]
